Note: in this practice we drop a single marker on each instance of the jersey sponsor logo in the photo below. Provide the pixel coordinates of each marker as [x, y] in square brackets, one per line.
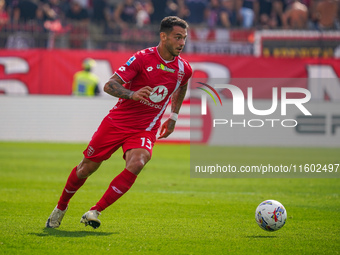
[157, 106]
[129, 62]
[122, 68]
[165, 68]
[158, 94]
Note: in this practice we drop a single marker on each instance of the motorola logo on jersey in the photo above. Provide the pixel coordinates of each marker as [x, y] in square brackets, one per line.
[158, 93]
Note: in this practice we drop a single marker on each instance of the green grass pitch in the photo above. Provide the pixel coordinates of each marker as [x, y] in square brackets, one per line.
[166, 211]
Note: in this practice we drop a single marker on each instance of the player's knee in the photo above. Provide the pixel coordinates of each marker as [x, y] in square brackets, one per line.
[139, 164]
[136, 159]
[136, 165]
[84, 172]
[86, 168]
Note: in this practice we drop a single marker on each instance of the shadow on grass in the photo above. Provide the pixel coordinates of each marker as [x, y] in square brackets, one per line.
[66, 233]
[261, 237]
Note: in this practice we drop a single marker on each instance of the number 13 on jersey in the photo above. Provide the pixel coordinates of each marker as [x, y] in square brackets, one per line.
[146, 143]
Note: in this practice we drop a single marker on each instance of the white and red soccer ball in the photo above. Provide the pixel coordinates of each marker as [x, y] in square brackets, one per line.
[271, 215]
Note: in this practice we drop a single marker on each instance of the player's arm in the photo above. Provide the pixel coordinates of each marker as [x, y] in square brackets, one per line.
[177, 98]
[114, 87]
[176, 102]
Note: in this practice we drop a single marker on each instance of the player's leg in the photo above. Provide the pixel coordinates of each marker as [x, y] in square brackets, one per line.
[98, 150]
[136, 159]
[75, 180]
[137, 150]
[103, 143]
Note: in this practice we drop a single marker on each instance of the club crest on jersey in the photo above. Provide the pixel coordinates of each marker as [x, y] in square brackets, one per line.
[180, 76]
[158, 93]
[129, 62]
[165, 68]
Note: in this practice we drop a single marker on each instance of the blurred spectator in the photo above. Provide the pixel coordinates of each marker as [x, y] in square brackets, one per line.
[228, 14]
[133, 12]
[53, 10]
[212, 14]
[100, 12]
[125, 13]
[53, 17]
[195, 10]
[77, 13]
[100, 19]
[27, 10]
[9, 6]
[4, 20]
[79, 19]
[130, 16]
[114, 3]
[285, 4]
[86, 83]
[124, 18]
[265, 13]
[327, 14]
[307, 3]
[159, 10]
[4, 17]
[296, 16]
[249, 12]
[277, 14]
[144, 10]
[173, 7]
[85, 3]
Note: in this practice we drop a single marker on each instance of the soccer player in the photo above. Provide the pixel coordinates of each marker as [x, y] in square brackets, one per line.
[144, 84]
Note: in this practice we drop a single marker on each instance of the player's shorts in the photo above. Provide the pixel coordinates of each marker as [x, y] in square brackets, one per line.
[108, 138]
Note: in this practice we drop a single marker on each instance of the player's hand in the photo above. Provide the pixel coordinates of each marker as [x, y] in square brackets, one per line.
[142, 94]
[167, 128]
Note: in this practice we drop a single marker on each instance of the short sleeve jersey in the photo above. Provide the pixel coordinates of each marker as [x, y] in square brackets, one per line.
[148, 68]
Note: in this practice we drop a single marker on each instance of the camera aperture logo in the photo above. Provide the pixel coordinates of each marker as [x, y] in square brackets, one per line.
[213, 90]
[238, 106]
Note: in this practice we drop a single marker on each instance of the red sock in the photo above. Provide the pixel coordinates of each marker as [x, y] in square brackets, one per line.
[72, 185]
[117, 188]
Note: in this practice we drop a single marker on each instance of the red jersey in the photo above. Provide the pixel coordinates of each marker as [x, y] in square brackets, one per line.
[148, 68]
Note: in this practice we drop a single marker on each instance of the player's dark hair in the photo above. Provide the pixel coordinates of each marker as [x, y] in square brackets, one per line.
[169, 22]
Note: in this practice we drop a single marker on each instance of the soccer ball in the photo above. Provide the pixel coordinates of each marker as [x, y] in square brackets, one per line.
[271, 215]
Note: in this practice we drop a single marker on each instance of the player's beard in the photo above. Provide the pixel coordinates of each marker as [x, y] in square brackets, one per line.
[171, 50]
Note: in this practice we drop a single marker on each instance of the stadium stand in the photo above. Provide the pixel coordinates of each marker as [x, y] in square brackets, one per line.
[129, 24]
